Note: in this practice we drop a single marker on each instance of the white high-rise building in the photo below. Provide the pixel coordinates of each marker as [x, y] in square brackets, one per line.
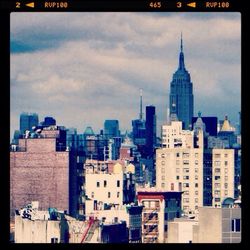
[174, 137]
[179, 165]
[223, 175]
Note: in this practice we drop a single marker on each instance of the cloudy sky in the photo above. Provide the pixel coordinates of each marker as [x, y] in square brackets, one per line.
[83, 68]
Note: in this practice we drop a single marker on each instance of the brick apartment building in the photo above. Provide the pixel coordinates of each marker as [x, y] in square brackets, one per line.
[43, 169]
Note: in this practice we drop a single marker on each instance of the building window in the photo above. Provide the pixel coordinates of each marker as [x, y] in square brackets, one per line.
[109, 195]
[186, 162]
[186, 193]
[235, 225]
[118, 183]
[166, 216]
[217, 163]
[177, 177]
[185, 170]
[196, 162]
[217, 178]
[196, 192]
[196, 177]
[196, 155]
[196, 185]
[196, 208]
[163, 163]
[217, 192]
[92, 194]
[177, 154]
[226, 185]
[217, 185]
[217, 199]
[226, 178]
[163, 177]
[162, 155]
[217, 156]
[118, 194]
[185, 184]
[54, 240]
[226, 163]
[185, 155]
[105, 183]
[185, 177]
[196, 200]
[163, 185]
[186, 200]
[163, 170]
[226, 192]
[217, 170]
[98, 184]
[196, 170]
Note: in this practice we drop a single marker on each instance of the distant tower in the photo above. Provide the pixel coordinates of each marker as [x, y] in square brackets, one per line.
[181, 99]
[27, 121]
[141, 114]
[150, 129]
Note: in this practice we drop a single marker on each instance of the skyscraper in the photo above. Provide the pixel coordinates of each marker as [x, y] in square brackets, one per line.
[27, 121]
[181, 99]
[139, 127]
[111, 128]
[150, 129]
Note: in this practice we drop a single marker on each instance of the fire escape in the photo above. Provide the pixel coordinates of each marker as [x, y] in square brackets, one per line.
[89, 232]
[151, 221]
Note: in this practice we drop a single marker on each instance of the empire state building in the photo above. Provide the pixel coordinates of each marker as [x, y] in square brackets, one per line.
[181, 99]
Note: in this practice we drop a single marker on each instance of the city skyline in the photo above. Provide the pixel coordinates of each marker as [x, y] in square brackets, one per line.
[89, 67]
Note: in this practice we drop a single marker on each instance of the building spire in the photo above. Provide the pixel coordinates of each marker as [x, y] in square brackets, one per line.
[181, 43]
[181, 57]
[141, 104]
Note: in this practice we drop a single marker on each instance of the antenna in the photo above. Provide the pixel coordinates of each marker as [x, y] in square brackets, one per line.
[141, 115]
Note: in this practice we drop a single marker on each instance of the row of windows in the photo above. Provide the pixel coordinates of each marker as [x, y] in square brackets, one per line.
[186, 200]
[187, 185]
[109, 195]
[218, 163]
[185, 162]
[105, 183]
[185, 170]
[217, 177]
[186, 208]
[186, 193]
[217, 170]
[217, 185]
[217, 192]
[219, 155]
[184, 155]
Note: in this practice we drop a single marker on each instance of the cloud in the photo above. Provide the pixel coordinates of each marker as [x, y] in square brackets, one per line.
[83, 68]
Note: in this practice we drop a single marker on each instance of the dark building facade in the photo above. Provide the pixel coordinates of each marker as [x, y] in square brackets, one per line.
[150, 130]
[111, 128]
[210, 122]
[181, 99]
[114, 233]
[207, 177]
[48, 121]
